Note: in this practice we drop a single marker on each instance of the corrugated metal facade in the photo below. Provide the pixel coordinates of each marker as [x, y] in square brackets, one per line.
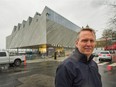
[46, 28]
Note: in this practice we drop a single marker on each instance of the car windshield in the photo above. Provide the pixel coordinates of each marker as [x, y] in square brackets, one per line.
[104, 52]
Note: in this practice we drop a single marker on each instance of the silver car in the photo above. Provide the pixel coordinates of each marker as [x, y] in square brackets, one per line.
[105, 56]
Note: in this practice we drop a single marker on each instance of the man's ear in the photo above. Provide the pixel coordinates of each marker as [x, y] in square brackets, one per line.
[76, 43]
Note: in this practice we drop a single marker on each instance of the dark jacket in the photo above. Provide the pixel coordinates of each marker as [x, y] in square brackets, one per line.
[76, 71]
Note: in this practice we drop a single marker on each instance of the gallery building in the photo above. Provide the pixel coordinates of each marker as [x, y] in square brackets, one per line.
[48, 32]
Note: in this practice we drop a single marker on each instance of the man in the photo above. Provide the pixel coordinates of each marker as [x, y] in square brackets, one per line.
[79, 70]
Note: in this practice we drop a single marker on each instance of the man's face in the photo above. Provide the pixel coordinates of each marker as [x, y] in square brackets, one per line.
[86, 42]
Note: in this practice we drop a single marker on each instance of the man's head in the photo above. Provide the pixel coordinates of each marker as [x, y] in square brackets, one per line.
[86, 41]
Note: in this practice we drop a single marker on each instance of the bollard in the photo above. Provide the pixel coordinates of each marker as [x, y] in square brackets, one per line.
[25, 61]
[109, 68]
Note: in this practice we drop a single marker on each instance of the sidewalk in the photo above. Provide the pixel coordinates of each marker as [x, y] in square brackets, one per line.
[46, 59]
[58, 59]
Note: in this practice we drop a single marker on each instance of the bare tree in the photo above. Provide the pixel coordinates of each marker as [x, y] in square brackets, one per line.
[112, 20]
[108, 36]
[107, 33]
[110, 32]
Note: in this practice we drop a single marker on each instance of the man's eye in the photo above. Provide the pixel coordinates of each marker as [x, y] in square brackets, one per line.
[88, 40]
[85, 40]
[92, 41]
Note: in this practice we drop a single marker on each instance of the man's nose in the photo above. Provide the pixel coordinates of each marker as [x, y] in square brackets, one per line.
[88, 42]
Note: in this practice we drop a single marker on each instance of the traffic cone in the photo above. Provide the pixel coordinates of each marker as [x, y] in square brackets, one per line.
[109, 68]
[25, 61]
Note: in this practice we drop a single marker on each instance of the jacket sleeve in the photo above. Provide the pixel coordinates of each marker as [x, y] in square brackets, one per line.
[64, 77]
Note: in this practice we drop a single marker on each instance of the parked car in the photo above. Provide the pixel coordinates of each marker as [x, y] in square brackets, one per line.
[95, 54]
[105, 56]
[6, 59]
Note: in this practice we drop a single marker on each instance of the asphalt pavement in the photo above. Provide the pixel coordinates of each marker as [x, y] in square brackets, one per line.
[44, 73]
[41, 79]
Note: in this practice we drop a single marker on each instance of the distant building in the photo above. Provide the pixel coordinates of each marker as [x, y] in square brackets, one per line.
[106, 44]
[46, 32]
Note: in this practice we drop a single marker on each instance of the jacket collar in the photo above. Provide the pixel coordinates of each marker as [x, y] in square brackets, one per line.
[82, 57]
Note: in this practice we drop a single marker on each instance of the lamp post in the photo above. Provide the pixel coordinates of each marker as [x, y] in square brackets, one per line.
[106, 39]
[96, 41]
[114, 35]
[113, 40]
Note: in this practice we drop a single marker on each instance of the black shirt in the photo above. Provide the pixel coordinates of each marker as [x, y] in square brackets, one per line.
[76, 71]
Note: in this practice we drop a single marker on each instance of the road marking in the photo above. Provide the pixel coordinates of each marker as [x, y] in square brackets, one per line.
[21, 72]
[113, 64]
[103, 63]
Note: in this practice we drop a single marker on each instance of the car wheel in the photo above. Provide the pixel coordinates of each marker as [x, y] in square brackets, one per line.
[17, 62]
[100, 60]
[110, 61]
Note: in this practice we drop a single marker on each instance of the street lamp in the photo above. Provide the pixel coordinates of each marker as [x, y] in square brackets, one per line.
[114, 35]
[96, 41]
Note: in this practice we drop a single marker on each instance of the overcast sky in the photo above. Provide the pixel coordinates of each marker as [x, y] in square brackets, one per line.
[95, 13]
